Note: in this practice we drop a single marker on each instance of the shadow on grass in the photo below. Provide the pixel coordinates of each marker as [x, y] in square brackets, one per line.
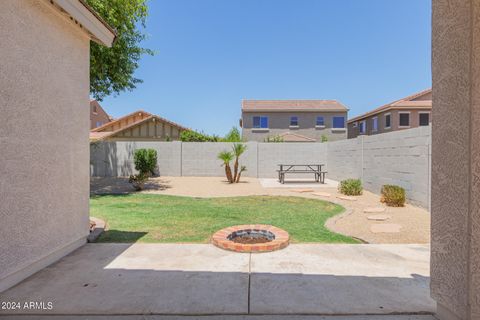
[120, 236]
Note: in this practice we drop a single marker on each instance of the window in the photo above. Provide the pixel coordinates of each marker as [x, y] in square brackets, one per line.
[361, 127]
[388, 120]
[355, 124]
[260, 122]
[424, 119]
[293, 121]
[404, 120]
[320, 121]
[374, 124]
[95, 109]
[338, 122]
[98, 124]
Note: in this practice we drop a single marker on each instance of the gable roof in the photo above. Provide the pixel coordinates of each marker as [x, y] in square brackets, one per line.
[295, 137]
[101, 133]
[87, 19]
[292, 105]
[409, 102]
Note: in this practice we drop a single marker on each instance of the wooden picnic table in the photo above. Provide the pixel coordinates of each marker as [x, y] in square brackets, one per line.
[302, 168]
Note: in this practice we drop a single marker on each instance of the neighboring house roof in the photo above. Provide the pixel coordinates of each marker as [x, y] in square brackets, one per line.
[295, 137]
[102, 132]
[292, 105]
[409, 102]
[87, 19]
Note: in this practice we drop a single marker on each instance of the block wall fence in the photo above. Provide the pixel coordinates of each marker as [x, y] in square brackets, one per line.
[401, 158]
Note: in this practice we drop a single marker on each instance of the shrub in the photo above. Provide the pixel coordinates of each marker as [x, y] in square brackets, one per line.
[351, 187]
[138, 181]
[274, 139]
[145, 161]
[194, 136]
[393, 196]
[324, 138]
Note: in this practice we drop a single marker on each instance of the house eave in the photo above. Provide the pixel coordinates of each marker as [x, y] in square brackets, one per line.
[81, 14]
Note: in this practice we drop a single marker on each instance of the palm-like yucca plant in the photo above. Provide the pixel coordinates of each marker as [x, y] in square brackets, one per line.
[238, 149]
[226, 157]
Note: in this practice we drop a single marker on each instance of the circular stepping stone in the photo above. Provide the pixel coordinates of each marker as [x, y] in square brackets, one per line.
[379, 217]
[385, 228]
[374, 210]
[348, 198]
[302, 190]
[322, 194]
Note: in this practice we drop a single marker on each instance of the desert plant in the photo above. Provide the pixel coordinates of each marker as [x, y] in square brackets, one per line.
[350, 187]
[226, 157]
[238, 149]
[145, 161]
[276, 138]
[393, 196]
[243, 168]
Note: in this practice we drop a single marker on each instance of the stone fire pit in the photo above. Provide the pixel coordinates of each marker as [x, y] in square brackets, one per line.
[251, 238]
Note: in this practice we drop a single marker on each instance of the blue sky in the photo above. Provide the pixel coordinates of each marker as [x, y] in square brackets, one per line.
[211, 54]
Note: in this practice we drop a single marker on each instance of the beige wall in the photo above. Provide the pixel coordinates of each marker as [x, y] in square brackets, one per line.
[44, 165]
[455, 272]
[279, 122]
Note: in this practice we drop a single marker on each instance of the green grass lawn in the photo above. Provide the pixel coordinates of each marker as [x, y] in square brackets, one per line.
[160, 218]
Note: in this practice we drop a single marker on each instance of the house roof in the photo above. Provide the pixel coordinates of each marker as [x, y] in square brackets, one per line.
[295, 137]
[100, 133]
[87, 19]
[406, 102]
[292, 105]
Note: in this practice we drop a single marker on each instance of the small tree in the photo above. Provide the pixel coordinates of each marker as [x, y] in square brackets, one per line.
[233, 135]
[145, 161]
[226, 157]
[238, 149]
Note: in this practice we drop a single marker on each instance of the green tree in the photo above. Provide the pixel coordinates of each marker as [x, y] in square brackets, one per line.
[233, 135]
[112, 69]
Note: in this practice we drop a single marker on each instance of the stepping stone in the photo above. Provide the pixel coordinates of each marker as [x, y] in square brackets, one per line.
[385, 228]
[322, 194]
[348, 198]
[302, 190]
[379, 217]
[374, 210]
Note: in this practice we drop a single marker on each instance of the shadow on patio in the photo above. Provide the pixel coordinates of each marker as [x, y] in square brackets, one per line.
[204, 280]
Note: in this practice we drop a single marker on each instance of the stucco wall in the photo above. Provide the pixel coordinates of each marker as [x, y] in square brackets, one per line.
[400, 158]
[279, 122]
[455, 262]
[44, 183]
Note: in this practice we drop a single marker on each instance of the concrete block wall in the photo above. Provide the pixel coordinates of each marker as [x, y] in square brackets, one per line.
[400, 157]
[200, 159]
[272, 154]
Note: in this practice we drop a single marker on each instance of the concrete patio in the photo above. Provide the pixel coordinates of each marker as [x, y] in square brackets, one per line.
[200, 279]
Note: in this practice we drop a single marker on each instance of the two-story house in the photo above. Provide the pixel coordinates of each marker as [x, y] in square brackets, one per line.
[293, 120]
[409, 112]
[98, 116]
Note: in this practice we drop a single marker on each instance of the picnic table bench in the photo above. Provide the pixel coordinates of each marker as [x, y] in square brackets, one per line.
[315, 169]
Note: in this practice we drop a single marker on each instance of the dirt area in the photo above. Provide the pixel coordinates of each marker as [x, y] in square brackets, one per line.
[414, 222]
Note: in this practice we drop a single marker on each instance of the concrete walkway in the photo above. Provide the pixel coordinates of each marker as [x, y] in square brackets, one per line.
[189, 279]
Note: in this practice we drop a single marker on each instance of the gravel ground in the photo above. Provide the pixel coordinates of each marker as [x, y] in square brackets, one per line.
[414, 221]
